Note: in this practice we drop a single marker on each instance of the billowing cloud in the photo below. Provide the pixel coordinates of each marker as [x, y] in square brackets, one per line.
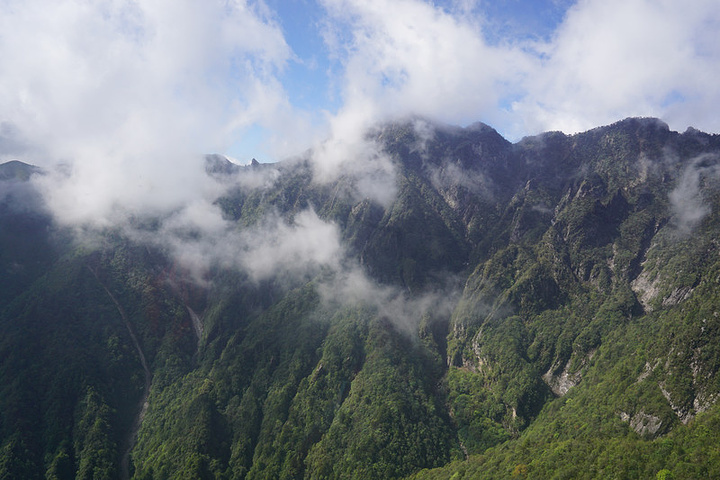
[409, 57]
[198, 238]
[687, 203]
[302, 247]
[359, 160]
[130, 94]
[613, 59]
[288, 252]
[605, 61]
[400, 58]
[127, 96]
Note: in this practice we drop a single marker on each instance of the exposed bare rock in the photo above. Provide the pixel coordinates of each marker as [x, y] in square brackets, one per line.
[643, 423]
[646, 289]
[648, 370]
[562, 382]
[684, 415]
[703, 402]
[678, 295]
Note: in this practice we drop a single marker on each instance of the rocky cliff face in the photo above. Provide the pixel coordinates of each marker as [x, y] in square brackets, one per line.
[559, 291]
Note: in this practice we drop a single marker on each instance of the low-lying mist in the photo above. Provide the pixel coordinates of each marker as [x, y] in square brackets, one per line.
[181, 215]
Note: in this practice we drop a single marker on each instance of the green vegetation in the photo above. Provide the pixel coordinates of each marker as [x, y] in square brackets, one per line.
[585, 341]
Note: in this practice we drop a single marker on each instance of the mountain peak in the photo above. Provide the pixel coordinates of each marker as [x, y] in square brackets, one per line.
[216, 164]
[17, 170]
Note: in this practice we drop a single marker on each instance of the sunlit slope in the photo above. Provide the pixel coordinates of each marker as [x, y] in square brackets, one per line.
[541, 308]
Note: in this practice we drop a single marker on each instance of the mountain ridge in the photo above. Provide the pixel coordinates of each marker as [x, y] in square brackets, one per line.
[529, 308]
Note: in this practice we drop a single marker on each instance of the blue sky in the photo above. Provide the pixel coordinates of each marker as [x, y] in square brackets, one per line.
[310, 77]
[579, 52]
[130, 93]
[270, 78]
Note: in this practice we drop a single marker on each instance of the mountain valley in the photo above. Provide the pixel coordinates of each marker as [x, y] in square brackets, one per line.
[450, 305]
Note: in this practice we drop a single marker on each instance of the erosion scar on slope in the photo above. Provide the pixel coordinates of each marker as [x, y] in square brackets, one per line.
[129, 442]
[196, 322]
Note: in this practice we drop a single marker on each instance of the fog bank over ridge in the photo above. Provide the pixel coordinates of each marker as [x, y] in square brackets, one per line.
[123, 97]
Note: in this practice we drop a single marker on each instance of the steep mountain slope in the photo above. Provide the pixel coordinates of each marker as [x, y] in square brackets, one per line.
[534, 309]
[598, 335]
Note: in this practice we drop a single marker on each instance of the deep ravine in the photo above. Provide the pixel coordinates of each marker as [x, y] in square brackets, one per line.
[129, 441]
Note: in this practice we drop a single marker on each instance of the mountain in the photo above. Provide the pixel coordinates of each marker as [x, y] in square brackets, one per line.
[18, 171]
[539, 309]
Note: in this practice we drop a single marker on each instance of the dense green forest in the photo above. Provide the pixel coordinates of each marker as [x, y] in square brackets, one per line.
[543, 309]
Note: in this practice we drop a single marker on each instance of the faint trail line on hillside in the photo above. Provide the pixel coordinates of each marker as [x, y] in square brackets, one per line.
[144, 401]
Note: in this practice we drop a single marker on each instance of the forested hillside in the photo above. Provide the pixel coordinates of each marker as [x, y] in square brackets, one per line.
[465, 308]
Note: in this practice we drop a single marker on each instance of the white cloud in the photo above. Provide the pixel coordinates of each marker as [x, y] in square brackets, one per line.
[401, 58]
[198, 238]
[350, 286]
[277, 248]
[358, 161]
[607, 60]
[687, 203]
[407, 56]
[131, 93]
[611, 59]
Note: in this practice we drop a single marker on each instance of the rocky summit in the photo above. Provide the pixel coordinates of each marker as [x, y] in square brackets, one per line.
[452, 305]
